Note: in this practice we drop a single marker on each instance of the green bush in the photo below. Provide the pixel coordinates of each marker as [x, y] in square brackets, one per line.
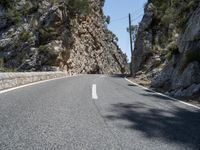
[46, 49]
[79, 7]
[1, 62]
[102, 3]
[13, 15]
[172, 50]
[24, 36]
[11, 12]
[106, 19]
[48, 52]
[43, 48]
[174, 11]
[6, 3]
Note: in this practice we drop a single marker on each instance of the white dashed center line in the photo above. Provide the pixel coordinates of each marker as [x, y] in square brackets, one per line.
[94, 91]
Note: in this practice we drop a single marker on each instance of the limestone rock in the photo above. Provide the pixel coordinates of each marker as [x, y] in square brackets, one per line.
[169, 58]
[50, 37]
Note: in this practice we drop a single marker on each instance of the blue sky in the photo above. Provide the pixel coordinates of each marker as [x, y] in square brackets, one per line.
[118, 10]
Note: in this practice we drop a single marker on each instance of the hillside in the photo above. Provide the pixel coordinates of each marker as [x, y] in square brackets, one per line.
[167, 48]
[45, 35]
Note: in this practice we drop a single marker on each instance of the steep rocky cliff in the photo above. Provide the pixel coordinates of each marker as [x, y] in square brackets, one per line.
[68, 35]
[167, 49]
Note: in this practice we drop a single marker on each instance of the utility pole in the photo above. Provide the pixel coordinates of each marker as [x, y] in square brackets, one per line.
[131, 41]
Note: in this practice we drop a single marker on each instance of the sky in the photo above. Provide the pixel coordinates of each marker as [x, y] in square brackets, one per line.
[118, 10]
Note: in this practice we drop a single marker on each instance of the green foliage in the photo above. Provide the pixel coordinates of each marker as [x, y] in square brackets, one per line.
[134, 31]
[1, 62]
[27, 8]
[114, 37]
[24, 36]
[13, 15]
[11, 12]
[174, 11]
[107, 19]
[6, 3]
[43, 48]
[47, 34]
[53, 1]
[50, 56]
[172, 50]
[79, 7]
[46, 49]
[102, 3]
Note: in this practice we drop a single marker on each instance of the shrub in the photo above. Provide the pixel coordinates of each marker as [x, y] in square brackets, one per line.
[43, 48]
[1, 62]
[13, 15]
[79, 7]
[11, 12]
[106, 19]
[102, 3]
[6, 3]
[24, 36]
[172, 50]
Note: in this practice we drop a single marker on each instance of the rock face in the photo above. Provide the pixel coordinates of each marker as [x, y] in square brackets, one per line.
[167, 54]
[50, 35]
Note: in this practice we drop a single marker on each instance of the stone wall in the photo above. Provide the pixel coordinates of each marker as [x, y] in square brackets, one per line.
[10, 80]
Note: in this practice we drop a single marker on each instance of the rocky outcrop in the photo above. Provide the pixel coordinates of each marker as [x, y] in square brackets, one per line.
[168, 56]
[53, 35]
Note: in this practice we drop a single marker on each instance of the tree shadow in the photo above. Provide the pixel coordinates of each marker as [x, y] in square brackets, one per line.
[178, 125]
[118, 75]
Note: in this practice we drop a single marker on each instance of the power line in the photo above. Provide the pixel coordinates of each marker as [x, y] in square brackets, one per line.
[137, 11]
[126, 17]
[119, 19]
[134, 19]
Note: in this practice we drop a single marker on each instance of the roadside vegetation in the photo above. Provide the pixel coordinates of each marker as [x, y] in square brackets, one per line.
[171, 16]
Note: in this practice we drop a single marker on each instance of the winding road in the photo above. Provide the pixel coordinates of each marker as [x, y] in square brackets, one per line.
[95, 112]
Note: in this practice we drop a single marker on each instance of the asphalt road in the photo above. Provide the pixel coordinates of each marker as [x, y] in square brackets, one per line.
[95, 112]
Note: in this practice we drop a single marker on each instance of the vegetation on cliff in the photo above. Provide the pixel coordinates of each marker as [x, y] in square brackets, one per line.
[48, 35]
[167, 47]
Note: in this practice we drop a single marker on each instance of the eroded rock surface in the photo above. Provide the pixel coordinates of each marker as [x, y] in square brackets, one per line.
[48, 35]
[168, 57]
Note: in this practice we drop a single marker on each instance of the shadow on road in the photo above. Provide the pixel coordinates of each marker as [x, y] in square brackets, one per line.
[132, 85]
[118, 75]
[157, 96]
[178, 125]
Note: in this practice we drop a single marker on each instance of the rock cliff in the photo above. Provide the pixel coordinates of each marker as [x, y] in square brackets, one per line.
[70, 35]
[167, 49]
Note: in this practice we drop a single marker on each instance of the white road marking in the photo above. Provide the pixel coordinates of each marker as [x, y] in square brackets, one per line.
[188, 104]
[94, 91]
[34, 83]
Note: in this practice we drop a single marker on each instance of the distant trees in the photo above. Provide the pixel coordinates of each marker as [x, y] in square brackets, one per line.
[134, 30]
[102, 3]
[107, 19]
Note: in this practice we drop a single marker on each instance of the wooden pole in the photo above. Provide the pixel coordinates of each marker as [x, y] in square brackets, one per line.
[131, 42]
